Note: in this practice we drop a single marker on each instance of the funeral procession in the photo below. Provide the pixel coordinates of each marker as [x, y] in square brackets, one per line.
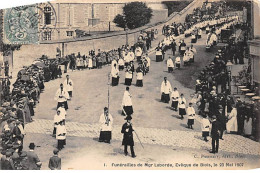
[118, 85]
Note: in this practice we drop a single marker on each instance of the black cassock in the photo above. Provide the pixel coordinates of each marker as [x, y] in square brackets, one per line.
[128, 136]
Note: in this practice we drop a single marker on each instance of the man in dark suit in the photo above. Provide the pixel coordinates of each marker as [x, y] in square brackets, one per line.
[221, 118]
[34, 161]
[215, 134]
[127, 130]
[24, 163]
[55, 161]
[7, 163]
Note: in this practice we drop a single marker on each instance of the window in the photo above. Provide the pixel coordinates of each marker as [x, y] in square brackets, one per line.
[47, 15]
[69, 33]
[47, 35]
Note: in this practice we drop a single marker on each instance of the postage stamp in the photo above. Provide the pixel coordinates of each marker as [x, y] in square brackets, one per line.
[21, 25]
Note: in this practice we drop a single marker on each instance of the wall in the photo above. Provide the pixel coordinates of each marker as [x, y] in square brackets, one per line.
[159, 15]
[107, 12]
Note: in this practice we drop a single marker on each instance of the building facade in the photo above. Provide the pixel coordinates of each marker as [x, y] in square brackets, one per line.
[65, 20]
[254, 45]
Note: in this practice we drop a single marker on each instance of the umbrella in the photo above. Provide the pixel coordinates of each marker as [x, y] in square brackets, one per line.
[39, 63]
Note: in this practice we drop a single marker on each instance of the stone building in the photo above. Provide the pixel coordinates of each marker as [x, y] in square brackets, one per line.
[254, 45]
[65, 19]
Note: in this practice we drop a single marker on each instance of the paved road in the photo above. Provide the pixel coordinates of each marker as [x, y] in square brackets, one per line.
[90, 95]
[156, 124]
[176, 138]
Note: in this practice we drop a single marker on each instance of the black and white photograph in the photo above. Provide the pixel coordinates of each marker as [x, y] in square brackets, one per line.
[130, 85]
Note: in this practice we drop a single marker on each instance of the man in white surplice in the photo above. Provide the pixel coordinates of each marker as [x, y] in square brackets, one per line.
[106, 123]
[127, 103]
[68, 85]
[166, 89]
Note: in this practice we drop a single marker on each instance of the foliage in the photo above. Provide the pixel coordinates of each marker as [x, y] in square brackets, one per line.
[8, 47]
[135, 14]
[119, 20]
[244, 77]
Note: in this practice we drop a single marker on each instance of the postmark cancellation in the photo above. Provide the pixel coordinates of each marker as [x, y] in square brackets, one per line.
[21, 25]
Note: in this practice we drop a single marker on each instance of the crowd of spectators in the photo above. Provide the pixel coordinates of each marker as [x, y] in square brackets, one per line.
[17, 105]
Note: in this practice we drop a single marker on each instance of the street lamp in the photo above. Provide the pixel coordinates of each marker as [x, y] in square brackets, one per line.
[229, 68]
[126, 35]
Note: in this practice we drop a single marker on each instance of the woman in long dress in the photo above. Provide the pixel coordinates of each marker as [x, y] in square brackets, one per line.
[90, 64]
[248, 126]
[232, 121]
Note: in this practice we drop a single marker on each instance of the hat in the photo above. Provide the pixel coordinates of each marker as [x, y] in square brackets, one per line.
[32, 145]
[3, 152]
[7, 134]
[9, 145]
[16, 145]
[15, 156]
[10, 150]
[55, 151]
[128, 117]
[8, 154]
[23, 154]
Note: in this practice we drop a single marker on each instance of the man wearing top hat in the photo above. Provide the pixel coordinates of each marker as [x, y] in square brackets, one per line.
[222, 121]
[215, 134]
[128, 140]
[34, 161]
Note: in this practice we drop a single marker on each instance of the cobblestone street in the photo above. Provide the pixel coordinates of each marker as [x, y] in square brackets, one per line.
[174, 138]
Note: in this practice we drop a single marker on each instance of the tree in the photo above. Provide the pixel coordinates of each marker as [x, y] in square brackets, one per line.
[135, 14]
[119, 20]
